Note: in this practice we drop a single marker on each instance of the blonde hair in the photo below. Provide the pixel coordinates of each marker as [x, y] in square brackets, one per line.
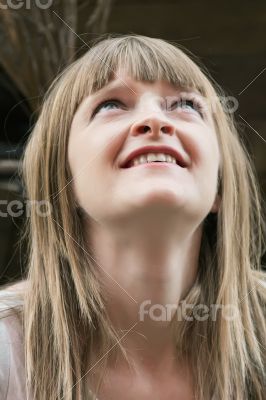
[64, 314]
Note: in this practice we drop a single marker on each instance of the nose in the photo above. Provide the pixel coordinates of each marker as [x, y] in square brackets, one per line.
[154, 125]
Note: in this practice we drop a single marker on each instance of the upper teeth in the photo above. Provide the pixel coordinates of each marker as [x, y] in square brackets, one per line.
[150, 157]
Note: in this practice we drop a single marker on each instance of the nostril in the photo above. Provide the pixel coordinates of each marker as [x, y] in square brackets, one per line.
[144, 129]
[166, 129]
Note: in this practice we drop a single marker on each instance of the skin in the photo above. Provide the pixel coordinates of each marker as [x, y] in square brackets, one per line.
[144, 224]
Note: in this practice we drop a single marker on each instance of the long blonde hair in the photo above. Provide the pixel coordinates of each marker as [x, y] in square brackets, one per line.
[64, 315]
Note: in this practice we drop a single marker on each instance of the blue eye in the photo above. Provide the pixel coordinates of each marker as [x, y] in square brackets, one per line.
[108, 105]
[187, 104]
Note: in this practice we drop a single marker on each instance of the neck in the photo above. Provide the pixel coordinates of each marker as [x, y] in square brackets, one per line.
[154, 264]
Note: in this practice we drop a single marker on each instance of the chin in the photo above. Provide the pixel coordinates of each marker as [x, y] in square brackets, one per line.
[161, 200]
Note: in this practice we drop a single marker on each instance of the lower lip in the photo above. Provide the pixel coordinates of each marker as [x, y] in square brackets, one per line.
[155, 165]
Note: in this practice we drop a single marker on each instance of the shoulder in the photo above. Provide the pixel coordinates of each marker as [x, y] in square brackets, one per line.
[11, 298]
[11, 305]
[262, 283]
[261, 279]
[12, 370]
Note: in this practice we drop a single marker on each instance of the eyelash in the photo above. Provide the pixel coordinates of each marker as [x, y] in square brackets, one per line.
[193, 101]
[103, 103]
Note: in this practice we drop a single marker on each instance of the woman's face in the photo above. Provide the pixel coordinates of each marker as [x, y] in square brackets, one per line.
[125, 116]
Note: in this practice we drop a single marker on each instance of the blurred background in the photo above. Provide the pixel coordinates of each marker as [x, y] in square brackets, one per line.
[38, 38]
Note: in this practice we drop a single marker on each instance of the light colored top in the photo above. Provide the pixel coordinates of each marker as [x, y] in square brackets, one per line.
[12, 358]
[12, 369]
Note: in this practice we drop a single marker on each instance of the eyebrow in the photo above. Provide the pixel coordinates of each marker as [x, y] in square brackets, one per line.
[112, 86]
[118, 86]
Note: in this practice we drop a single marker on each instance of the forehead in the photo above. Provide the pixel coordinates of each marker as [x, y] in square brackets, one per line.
[123, 79]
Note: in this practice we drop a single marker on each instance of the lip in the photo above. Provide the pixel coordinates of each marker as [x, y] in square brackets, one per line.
[157, 165]
[180, 158]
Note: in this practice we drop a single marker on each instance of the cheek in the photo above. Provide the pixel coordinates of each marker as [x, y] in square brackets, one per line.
[204, 151]
[208, 167]
[100, 142]
[203, 148]
[85, 150]
[80, 158]
[87, 176]
[91, 155]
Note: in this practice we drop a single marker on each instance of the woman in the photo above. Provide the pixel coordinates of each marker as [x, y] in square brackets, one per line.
[154, 222]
